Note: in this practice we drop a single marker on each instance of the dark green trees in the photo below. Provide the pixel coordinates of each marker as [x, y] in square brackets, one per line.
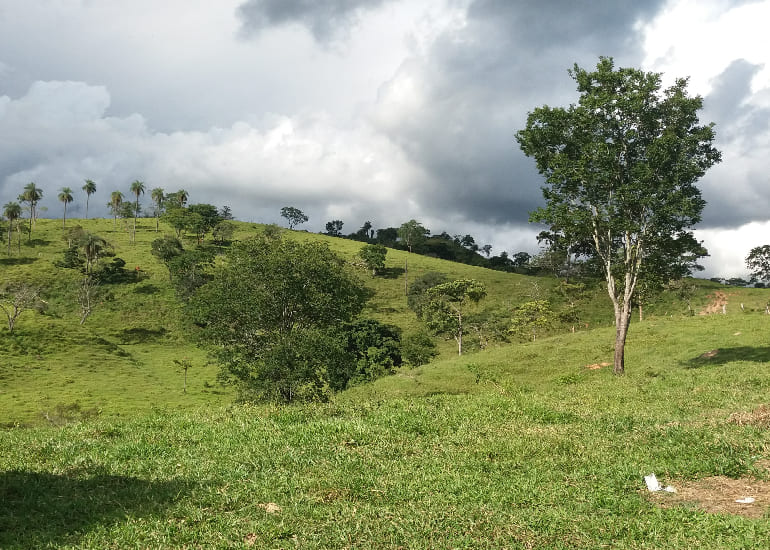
[620, 169]
[273, 314]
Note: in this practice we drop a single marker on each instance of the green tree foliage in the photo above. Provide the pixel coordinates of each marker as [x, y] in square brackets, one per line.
[201, 218]
[137, 188]
[116, 200]
[93, 248]
[758, 263]
[373, 256]
[620, 168]
[90, 189]
[273, 314]
[176, 217]
[412, 234]
[12, 211]
[223, 232]
[416, 298]
[294, 216]
[158, 198]
[375, 348]
[65, 196]
[448, 303]
[417, 348]
[226, 213]
[334, 228]
[32, 195]
[166, 248]
[531, 317]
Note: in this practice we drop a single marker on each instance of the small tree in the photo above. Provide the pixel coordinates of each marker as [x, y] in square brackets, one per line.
[373, 256]
[184, 365]
[157, 197]
[412, 234]
[758, 263]
[116, 200]
[12, 211]
[87, 296]
[16, 299]
[620, 167]
[448, 303]
[65, 196]
[530, 317]
[294, 216]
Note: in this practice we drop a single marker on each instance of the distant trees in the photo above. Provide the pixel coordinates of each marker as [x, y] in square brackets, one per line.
[412, 233]
[294, 216]
[274, 312]
[157, 197]
[758, 263]
[448, 303]
[32, 195]
[373, 256]
[65, 196]
[90, 189]
[116, 200]
[620, 167]
[12, 211]
[334, 228]
[137, 188]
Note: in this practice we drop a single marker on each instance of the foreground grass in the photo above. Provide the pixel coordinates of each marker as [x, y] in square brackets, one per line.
[521, 447]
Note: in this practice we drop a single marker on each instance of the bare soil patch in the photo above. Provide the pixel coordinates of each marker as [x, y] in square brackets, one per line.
[758, 417]
[720, 495]
[717, 304]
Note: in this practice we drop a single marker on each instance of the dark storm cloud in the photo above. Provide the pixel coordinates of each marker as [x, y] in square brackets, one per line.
[479, 82]
[736, 191]
[324, 19]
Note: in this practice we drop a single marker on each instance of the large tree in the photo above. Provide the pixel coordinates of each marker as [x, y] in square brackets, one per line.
[620, 168]
[274, 313]
[90, 189]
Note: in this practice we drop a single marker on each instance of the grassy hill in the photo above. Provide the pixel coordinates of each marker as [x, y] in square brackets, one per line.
[524, 445]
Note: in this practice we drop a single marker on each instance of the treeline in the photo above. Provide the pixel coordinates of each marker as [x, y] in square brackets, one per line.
[414, 237]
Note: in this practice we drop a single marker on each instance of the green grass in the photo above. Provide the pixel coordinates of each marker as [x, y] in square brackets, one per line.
[519, 446]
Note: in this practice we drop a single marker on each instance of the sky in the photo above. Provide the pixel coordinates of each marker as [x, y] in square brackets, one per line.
[362, 110]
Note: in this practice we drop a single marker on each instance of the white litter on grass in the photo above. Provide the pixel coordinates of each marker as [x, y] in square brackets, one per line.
[653, 485]
[747, 500]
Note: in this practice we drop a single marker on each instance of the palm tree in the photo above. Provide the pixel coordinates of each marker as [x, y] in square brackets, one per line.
[137, 188]
[116, 199]
[66, 197]
[90, 189]
[157, 197]
[93, 246]
[182, 195]
[31, 195]
[12, 211]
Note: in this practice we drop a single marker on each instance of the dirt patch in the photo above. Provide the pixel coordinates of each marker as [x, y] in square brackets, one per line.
[597, 366]
[717, 304]
[745, 497]
[758, 417]
[709, 354]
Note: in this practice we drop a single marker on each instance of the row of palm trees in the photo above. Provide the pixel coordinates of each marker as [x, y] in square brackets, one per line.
[32, 195]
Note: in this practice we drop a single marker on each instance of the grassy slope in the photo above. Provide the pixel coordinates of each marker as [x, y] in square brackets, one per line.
[516, 447]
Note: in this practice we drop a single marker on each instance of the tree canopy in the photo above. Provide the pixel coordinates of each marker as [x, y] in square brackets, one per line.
[620, 169]
[273, 313]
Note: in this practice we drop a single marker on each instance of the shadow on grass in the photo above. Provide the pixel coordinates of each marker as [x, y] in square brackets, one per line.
[146, 289]
[139, 335]
[757, 354]
[390, 272]
[40, 509]
[35, 242]
[17, 261]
